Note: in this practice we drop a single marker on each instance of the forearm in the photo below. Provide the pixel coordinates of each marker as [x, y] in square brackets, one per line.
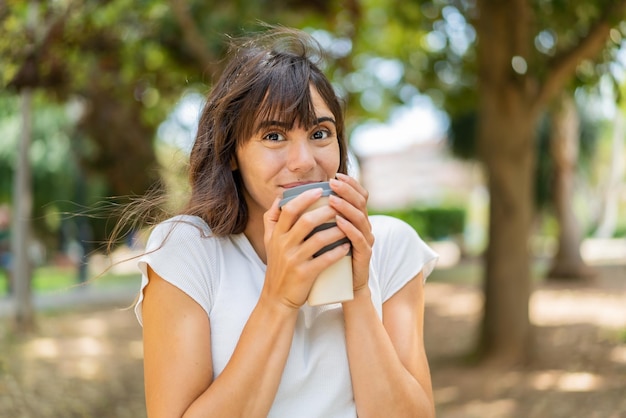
[248, 384]
[382, 385]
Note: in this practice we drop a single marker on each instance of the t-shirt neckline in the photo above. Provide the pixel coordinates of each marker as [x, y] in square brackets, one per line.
[246, 247]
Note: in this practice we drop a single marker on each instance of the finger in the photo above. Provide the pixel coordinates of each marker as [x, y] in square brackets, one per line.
[329, 257]
[350, 191]
[356, 216]
[361, 238]
[352, 182]
[293, 209]
[311, 221]
[353, 213]
[322, 240]
[270, 218]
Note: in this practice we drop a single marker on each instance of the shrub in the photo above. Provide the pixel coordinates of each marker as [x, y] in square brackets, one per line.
[432, 223]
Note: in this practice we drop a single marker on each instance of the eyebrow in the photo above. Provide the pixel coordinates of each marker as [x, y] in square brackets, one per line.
[287, 125]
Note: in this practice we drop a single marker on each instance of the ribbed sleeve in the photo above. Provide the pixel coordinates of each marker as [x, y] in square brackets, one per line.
[182, 252]
[399, 254]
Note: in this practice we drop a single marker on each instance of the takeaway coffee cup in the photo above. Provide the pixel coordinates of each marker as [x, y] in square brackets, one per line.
[334, 284]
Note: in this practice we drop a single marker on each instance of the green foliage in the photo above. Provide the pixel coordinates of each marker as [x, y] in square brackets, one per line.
[434, 223]
[462, 136]
[58, 185]
[620, 230]
[56, 279]
[127, 62]
[589, 129]
[122, 65]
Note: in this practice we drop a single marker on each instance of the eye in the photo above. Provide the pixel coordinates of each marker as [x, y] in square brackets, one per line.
[320, 134]
[274, 137]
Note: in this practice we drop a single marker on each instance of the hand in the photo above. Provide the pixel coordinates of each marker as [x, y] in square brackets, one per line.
[351, 205]
[291, 268]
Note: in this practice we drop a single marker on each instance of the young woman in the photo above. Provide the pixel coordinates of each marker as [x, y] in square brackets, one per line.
[227, 331]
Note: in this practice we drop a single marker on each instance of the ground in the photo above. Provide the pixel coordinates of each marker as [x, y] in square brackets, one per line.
[578, 368]
[87, 362]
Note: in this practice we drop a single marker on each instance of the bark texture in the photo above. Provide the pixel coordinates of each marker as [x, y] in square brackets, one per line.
[511, 97]
[505, 132]
[564, 138]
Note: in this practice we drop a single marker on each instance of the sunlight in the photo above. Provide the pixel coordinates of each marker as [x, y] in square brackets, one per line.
[42, 348]
[544, 380]
[596, 251]
[497, 408]
[558, 307]
[449, 302]
[579, 382]
[567, 382]
[88, 346]
[618, 354]
[449, 253]
[135, 349]
[88, 368]
[93, 326]
[84, 368]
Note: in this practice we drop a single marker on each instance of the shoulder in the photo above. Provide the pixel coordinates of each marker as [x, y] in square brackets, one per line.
[399, 250]
[179, 233]
[183, 224]
[180, 227]
[183, 252]
[388, 227]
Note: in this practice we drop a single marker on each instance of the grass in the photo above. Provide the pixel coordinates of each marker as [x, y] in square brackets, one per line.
[47, 279]
[51, 278]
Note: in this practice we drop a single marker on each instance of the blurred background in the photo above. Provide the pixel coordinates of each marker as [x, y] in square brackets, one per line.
[496, 130]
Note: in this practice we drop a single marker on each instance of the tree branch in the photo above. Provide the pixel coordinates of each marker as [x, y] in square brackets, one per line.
[191, 35]
[563, 66]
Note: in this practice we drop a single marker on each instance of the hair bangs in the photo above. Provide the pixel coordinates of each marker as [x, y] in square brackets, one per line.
[287, 98]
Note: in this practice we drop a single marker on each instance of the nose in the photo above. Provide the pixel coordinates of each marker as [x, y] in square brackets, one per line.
[301, 156]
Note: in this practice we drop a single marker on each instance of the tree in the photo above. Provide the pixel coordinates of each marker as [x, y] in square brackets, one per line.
[508, 60]
[24, 317]
[119, 66]
[123, 65]
[609, 210]
[565, 136]
[512, 97]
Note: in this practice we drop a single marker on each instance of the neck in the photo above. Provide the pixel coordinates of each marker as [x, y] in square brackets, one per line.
[254, 232]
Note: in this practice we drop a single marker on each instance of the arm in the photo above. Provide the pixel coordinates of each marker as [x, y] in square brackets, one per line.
[177, 357]
[388, 363]
[177, 337]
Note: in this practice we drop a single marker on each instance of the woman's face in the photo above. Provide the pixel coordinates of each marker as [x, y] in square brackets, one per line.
[277, 157]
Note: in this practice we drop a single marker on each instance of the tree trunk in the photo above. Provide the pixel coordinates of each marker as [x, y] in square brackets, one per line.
[610, 200]
[564, 139]
[506, 334]
[513, 89]
[124, 144]
[24, 317]
[506, 145]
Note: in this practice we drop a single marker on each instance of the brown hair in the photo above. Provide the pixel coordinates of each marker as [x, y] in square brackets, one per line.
[268, 75]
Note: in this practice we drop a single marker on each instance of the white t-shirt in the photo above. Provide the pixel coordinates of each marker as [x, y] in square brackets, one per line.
[225, 276]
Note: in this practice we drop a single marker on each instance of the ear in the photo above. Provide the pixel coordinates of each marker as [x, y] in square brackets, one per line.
[233, 164]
